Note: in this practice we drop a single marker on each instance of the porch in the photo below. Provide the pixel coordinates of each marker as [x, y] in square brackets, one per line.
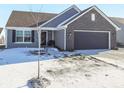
[57, 36]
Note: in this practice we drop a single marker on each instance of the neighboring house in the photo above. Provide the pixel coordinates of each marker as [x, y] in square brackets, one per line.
[120, 34]
[71, 29]
[1, 29]
[1, 36]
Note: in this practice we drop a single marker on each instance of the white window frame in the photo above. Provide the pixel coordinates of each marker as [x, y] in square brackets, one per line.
[24, 36]
[93, 17]
[23, 31]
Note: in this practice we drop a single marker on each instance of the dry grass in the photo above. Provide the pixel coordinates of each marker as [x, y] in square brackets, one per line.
[70, 71]
[39, 83]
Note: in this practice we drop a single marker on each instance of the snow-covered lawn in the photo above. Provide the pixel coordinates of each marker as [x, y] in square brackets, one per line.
[22, 55]
[77, 73]
[18, 66]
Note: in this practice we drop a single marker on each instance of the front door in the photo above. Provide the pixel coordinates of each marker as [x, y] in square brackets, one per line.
[43, 38]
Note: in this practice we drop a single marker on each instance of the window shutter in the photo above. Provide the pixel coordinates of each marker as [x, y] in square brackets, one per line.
[13, 35]
[32, 32]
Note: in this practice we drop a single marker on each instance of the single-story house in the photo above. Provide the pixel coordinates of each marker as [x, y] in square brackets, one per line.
[1, 29]
[72, 29]
[1, 36]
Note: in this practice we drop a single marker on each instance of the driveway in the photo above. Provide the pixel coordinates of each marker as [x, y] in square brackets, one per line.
[115, 57]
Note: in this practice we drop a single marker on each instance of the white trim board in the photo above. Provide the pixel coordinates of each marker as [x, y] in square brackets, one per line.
[21, 28]
[90, 31]
[100, 12]
[109, 35]
[35, 28]
[22, 42]
[73, 6]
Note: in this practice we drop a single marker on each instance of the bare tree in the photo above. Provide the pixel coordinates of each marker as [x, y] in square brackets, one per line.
[36, 20]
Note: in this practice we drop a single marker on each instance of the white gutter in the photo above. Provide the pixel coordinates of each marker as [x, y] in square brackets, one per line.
[21, 28]
[35, 28]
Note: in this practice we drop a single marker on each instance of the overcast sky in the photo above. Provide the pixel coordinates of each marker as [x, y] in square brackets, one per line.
[5, 10]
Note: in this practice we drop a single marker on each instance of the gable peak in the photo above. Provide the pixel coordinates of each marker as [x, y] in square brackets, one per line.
[75, 7]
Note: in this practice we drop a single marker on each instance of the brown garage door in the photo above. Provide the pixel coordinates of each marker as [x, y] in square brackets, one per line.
[91, 40]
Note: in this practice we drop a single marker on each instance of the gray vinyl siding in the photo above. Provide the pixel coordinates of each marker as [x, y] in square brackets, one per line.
[85, 23]
[55, 22]
[11, 44]
[59, 39]
[120, 37]
[49, 35]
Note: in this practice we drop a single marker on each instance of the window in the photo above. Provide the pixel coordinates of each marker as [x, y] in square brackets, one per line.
[23, 36]
[92, 17]
[19, 36]
[27, 36]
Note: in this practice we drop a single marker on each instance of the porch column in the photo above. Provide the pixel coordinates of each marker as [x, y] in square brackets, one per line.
[64, 38]
[39, 38]
[52, 34]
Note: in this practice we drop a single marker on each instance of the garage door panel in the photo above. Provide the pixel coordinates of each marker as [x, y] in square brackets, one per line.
[91, 40]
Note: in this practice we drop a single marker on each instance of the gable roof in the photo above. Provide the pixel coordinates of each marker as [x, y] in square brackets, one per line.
[26, 19]
[63, 16]
[119, 21]
[76, 16]
[99, 11]
[1, 29]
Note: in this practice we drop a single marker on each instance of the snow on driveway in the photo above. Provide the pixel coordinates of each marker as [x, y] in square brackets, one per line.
[83, 74]
[115, 57]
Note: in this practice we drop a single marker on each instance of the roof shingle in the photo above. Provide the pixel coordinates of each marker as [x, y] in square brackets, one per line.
[27, 19]
[119, 21]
